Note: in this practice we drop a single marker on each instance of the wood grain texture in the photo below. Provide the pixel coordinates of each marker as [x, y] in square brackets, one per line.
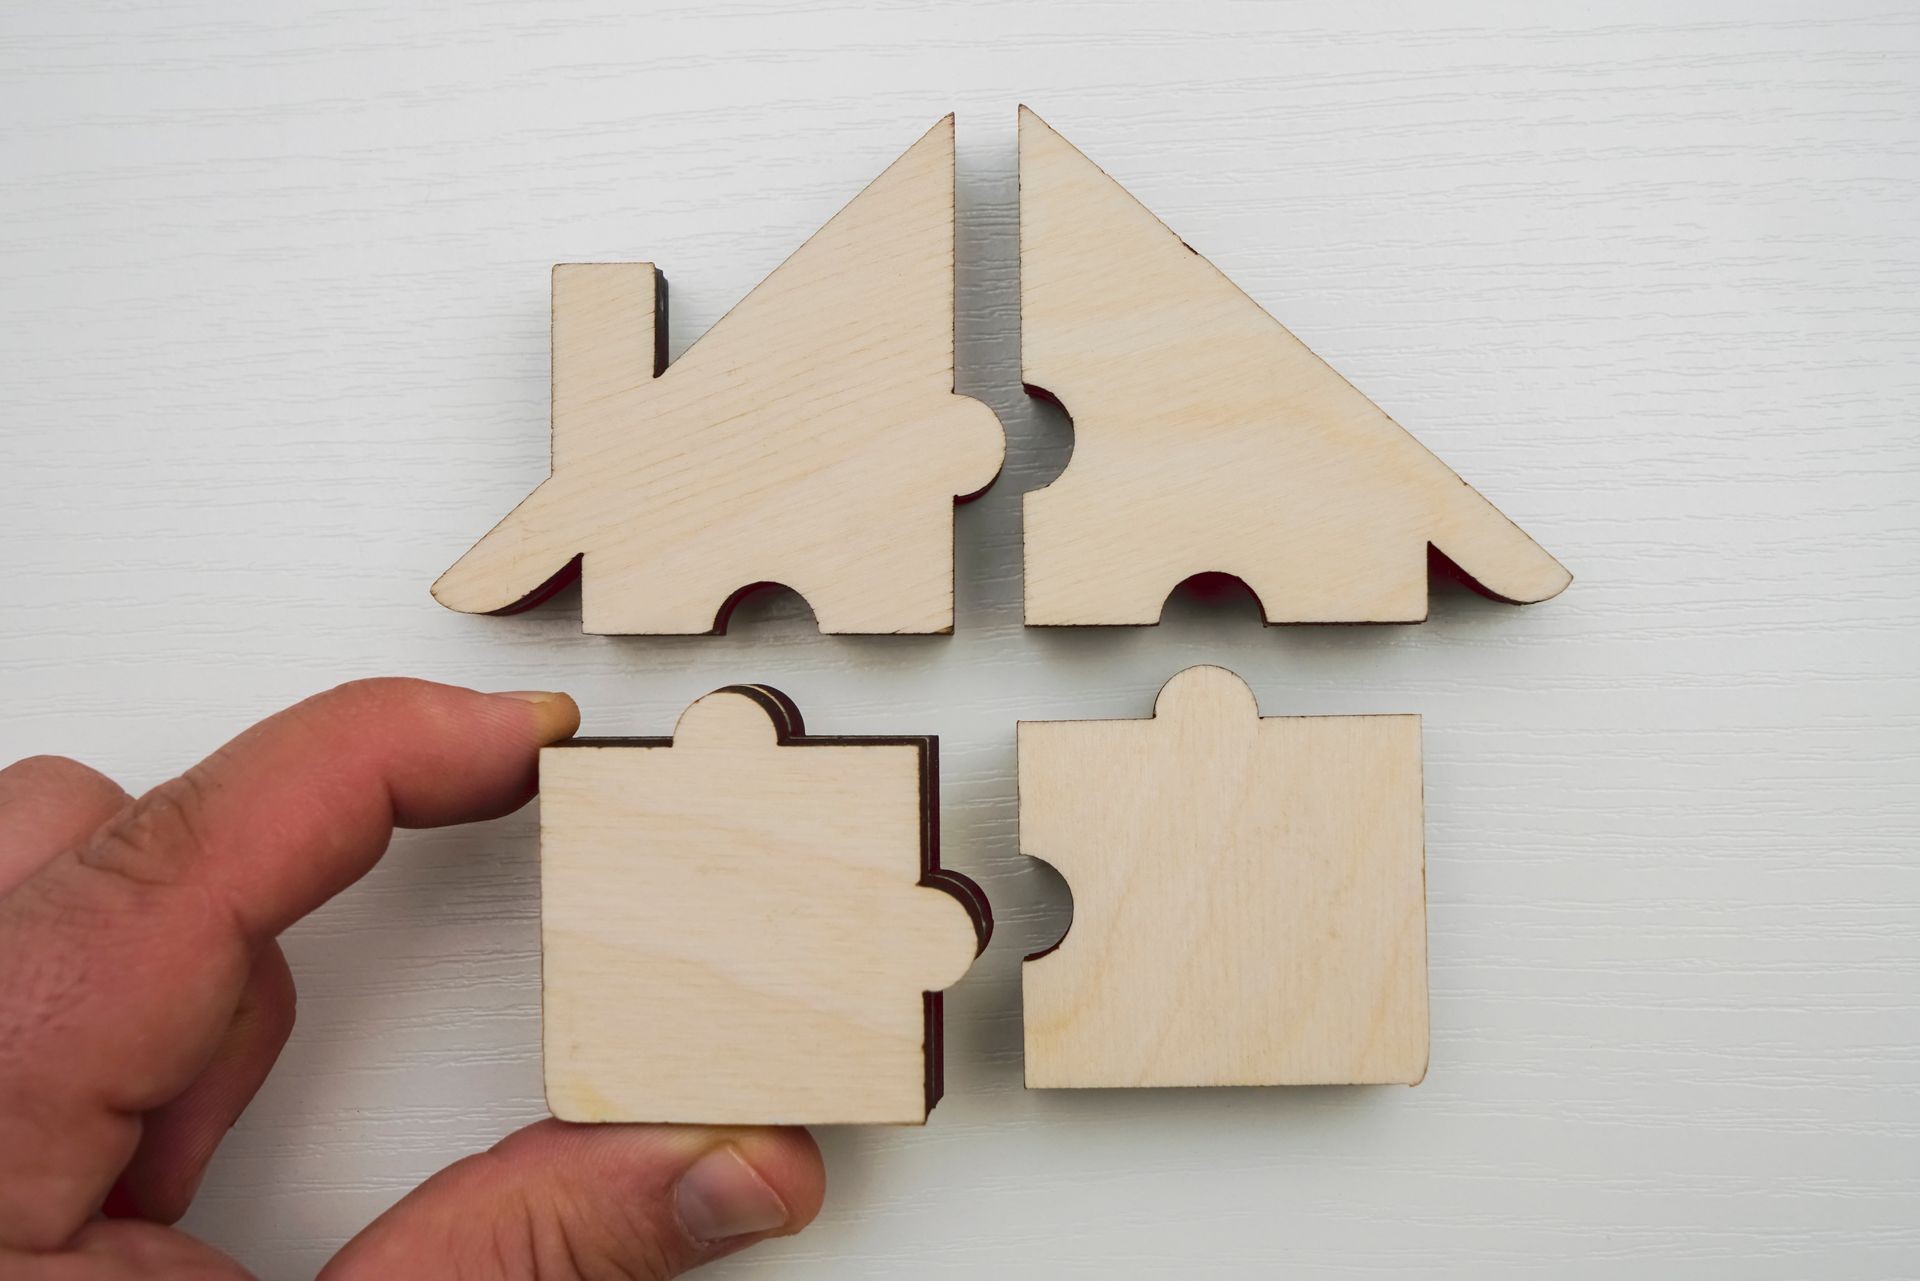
[1209, 440]
[275, 284]
[812, 439]
[741, 925]
[1249, 895]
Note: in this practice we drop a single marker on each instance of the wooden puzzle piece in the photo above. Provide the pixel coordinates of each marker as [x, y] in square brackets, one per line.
[744, 925]
[1207, 438]
[812, 438]
[1249, 895]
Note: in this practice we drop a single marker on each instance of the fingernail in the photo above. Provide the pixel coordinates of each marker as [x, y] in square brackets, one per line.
[558, 715]
[721, 1197]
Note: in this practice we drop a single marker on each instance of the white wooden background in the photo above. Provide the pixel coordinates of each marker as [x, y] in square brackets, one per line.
[273, 297]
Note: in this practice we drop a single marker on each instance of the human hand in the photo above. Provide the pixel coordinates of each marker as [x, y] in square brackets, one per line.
[143, 999]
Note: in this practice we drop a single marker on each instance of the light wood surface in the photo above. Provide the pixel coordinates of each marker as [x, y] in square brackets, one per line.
[1249, 895]
[743, 925]
[1208, 439]
[812, 438]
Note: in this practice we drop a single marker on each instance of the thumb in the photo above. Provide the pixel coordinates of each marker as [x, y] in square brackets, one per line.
[638, 1202]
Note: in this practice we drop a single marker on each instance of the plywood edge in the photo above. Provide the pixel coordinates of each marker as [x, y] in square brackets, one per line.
[789, 730]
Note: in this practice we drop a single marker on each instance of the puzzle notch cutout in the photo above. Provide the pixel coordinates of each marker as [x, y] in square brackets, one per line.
[745, 925]
[1249, 895]
[1209, 439]
[811, 438]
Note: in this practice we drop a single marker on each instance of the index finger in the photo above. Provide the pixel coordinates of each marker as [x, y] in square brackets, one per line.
[125, 956]
[300, 806]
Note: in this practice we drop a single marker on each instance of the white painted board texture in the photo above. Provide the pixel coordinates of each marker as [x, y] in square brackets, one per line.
[273, 291]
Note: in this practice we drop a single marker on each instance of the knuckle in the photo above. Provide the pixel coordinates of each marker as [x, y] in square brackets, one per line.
[157, 835]
[559, 1234]
[272, 1001]
[569, 1251]
[366, 689]
[377, 699]
[376, 691]
[59, 774]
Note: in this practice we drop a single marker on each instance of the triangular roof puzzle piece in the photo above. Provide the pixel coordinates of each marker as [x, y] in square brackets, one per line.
[1207, 438]
[811, 438]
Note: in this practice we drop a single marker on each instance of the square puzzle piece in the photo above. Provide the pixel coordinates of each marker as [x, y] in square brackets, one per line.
[744, 925]
[1249, 895]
